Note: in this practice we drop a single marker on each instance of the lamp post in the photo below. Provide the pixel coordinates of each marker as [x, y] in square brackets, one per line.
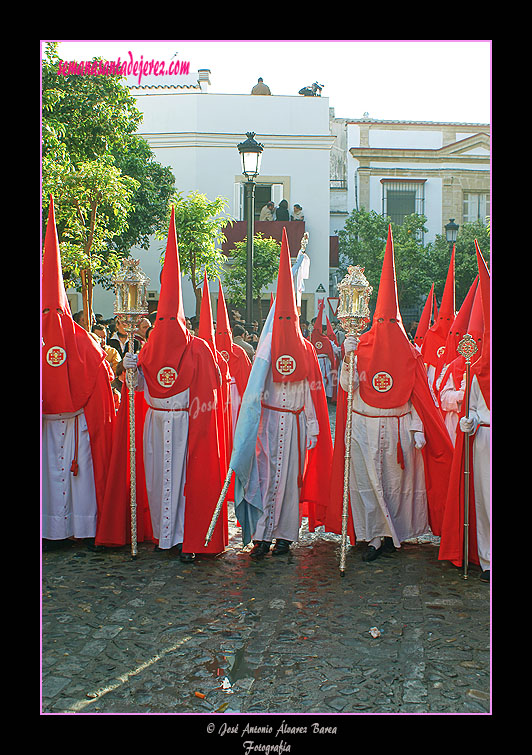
[451, 231]
[250, 152]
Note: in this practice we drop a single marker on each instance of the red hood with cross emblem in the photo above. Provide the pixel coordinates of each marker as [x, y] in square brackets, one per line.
[386, 359]
[162, 356]
[71, 359]
[290, 361]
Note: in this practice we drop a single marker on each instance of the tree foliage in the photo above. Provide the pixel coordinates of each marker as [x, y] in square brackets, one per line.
[266, 254]
[199, 226]
[465, 262]
[109, 193]
[363, 242]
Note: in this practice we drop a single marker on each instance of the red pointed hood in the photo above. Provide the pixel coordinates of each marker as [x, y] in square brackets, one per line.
[206, 327]
[288, 352]
[458, 329]
[330, 332]
[436, 337]
[386, 358]
[321, 343]
[481, 368]
[424, 321]
[70, 357]
[475, 324]
[223, 334]
[160, 357]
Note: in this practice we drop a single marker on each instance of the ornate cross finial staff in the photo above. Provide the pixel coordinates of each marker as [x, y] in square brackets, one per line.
[467, 348]
[130, 305]
[353, 313]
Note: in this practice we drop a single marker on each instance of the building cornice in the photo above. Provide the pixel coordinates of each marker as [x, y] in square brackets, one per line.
[204, 139]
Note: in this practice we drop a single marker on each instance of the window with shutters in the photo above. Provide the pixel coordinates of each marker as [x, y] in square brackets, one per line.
[476, 206]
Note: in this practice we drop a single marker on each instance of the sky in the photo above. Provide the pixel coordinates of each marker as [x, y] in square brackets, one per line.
[419, 80]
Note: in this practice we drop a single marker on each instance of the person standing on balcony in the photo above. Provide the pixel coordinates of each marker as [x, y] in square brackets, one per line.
[260, 87]
[267, 211]
[281, 212]
[298, 213]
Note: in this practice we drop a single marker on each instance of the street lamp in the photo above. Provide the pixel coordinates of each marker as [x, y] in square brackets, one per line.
[451, 231]
[250, 152]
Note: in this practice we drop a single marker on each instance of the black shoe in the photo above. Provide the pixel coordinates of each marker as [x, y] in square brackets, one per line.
[91, 546]
[260, 550]
[372, 553]
[485, 576]
[388, 546]
[281, 547]
[185, 558]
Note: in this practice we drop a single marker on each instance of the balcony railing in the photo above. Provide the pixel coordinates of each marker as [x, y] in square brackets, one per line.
[270, 229]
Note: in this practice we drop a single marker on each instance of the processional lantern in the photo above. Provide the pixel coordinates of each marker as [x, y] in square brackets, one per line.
[353, 314]
[131, 304]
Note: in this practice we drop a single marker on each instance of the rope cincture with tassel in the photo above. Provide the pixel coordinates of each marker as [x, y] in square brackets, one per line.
[74, 468]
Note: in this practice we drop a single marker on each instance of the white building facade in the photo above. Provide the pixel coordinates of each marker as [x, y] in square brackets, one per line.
[440, 170]
[196, 134]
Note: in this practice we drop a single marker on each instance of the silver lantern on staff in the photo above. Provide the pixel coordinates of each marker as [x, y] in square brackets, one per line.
[130, 305]
[353, 314]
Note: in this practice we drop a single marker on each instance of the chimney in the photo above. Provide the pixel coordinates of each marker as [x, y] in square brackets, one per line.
[203, 78]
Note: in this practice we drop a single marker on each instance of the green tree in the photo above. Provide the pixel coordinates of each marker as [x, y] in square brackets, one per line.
[362, 242]
[109, 192]
[199, 226]
[465, 261]
[266, 254]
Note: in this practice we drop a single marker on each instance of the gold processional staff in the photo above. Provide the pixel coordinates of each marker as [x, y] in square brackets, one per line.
[467, 348]
[130, 305]
[353, 313]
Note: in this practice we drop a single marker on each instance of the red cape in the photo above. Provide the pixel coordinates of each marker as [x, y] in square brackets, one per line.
[203, 477]
[437, 456]
[452, 533]
[314, 495]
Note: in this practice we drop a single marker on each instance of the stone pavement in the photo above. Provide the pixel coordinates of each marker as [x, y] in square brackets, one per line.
[288, 635]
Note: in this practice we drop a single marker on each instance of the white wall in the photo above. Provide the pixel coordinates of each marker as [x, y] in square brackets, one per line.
[196, 135]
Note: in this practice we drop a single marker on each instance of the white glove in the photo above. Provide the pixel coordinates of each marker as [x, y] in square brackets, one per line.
[467, 424]
[130, 361]
[350, 344]
[311, 441]
[419, 439]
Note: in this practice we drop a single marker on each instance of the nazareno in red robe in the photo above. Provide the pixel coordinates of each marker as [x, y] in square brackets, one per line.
[75, 373]
[203, 478]
[452, 536]
[314, 494]
[437, 456]
[385, 349]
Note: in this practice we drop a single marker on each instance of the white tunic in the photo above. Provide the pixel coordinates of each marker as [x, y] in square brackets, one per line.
[165, 456]
[481, 471]
[277, 457]
[451, 404]
[68, 502]
[236, 400]
[326, 373]
[386, 501]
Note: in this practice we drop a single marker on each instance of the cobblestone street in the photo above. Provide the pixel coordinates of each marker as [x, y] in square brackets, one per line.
[288, 635]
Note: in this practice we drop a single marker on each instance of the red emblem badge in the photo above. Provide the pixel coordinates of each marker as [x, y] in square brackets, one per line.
[382, 381]
[225, 355]
[285, 364]
[440, 351]
[319, 345]
[55, 356]
[166, 377]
